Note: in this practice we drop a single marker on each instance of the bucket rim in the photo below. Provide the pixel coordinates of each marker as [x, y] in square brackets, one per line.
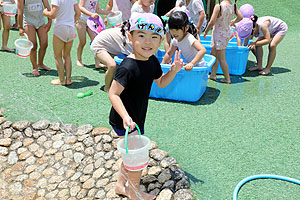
[133, 151]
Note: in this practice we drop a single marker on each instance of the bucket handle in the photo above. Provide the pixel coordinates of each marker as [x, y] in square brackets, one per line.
[25, 36]
[126, 135]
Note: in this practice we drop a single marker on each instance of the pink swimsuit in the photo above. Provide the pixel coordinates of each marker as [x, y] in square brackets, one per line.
[221, 32]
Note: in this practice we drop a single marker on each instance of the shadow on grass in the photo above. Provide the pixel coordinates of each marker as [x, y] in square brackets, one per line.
[194, 179]
[42, 73]
[209, 97]
[274, 70]
[81, 82]
[92, 66]
[5, 51]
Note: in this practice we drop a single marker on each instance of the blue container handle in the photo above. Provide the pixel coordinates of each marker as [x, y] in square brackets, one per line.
[126, 135]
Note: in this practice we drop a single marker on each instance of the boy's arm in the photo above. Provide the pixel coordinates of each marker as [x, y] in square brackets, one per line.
[20, 17]
[85, 11]
[52, 13]
[47, 6]
[201, 52]
[101, 11]
[108, 8]
[168, 55]
[213, 19]
[77, 12]
[200, 21]
[165, 79]
[114, 96]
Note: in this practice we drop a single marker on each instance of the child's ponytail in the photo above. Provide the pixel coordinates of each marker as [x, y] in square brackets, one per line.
[254, 19]
[235, 7]
[125, 29]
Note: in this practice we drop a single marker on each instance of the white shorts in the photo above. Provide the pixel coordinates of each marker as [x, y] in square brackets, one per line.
[64, 32]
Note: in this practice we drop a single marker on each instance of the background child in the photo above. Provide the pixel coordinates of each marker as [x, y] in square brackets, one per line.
[34, 24]
[63, 36]
[109, 43]
[120, 5]
[220, 20]
[131, 86]
[183, 40]
[89, 8]
[197, 13]
[268, 30]
[6, 26]
[142, 6]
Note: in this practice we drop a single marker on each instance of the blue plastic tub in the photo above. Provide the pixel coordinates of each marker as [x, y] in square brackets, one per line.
[236, 56]
[186, 86]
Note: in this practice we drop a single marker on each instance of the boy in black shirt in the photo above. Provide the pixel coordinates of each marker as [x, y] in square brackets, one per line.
[129, 92]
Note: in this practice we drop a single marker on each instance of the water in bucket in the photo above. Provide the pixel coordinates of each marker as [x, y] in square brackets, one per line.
[23, 47]
[136, 155]
[9, 9]
[115, 19]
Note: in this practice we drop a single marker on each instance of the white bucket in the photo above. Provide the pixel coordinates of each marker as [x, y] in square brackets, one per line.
[10, 9]
[136, 156]
[23, 47]
[115, 19]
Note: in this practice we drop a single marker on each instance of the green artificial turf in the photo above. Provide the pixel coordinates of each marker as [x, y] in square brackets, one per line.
[234, 131]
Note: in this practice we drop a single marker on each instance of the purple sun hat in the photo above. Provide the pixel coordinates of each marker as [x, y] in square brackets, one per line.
[247, 10]
[244, 28]
[147, 22]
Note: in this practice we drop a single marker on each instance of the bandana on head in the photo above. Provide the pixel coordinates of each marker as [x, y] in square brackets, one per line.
[147, 22]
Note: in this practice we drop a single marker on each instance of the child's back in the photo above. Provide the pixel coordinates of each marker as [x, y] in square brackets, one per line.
[65, 15]
[221, 32]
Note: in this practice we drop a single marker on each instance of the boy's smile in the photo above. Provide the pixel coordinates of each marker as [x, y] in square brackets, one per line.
[145, 43]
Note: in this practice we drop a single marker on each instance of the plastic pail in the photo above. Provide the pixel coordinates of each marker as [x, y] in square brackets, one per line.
[115, 19]
[134, 150]
[96, 25]
[23, 47]
[10, 9]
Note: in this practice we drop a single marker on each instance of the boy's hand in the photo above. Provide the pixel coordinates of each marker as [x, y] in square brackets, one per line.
[95, 15]
[251, 45]
[21, 31]
[178, 63]
[188, 67]
[128, 122]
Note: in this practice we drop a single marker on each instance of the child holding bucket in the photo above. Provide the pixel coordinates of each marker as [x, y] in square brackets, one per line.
[131, 86]
[6, 26]
[89, 8]
[63, 36]
[182, 32]
[119, 5]
[109, 43]
[34, 24]
[269, 31]
[220, 21]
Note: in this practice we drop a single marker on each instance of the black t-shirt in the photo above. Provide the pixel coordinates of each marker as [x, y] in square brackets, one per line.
[136, 77]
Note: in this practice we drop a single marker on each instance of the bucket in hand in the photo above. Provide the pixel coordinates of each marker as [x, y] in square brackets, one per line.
[9, 9]
[96, 25]
[115, 19]
[23, 46]
[134, 150]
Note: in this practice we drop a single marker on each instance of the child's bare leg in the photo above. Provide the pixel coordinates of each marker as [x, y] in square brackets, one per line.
[259, 56]
[58, 46]
[81, 31]
[43, 41]
[224, 65]
[31, 33]
[68, 62]
[107, 60]
[272, 53]
[213, 74]
[5, 33]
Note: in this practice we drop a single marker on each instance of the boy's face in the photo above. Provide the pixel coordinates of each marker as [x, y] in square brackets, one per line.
[145, 43]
